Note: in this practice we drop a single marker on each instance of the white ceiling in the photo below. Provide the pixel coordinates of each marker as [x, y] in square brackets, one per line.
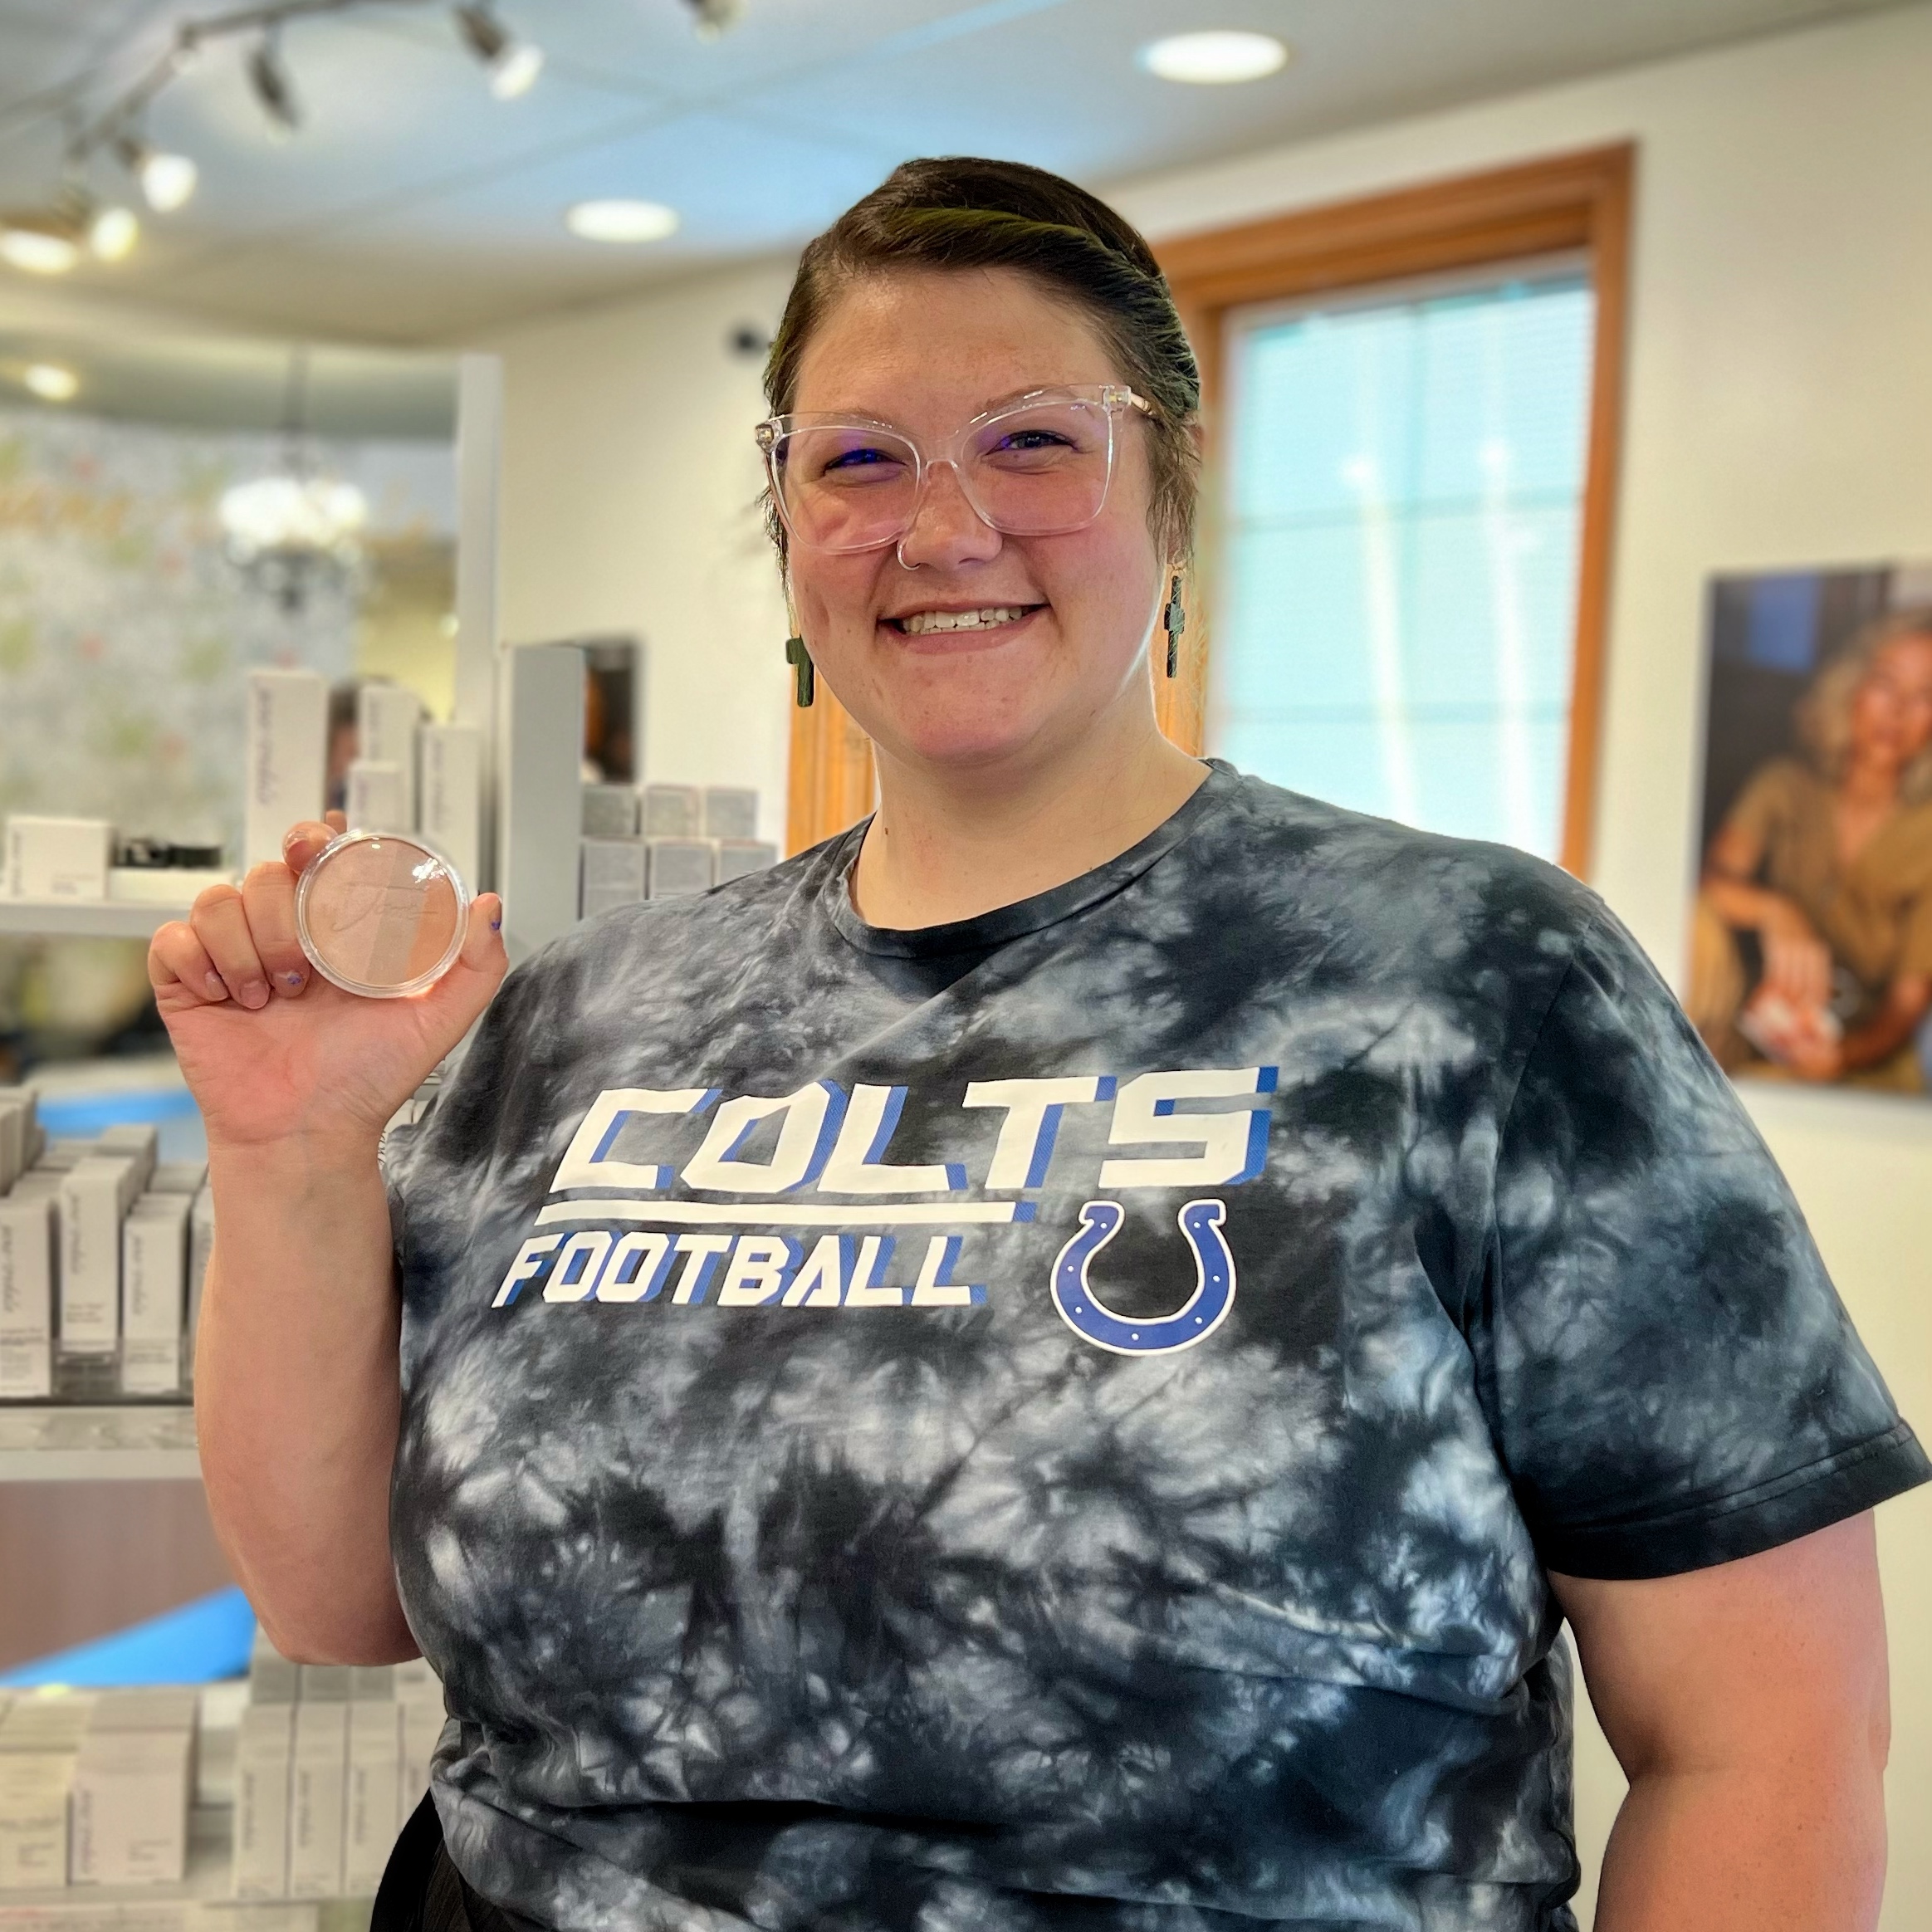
[413, 208]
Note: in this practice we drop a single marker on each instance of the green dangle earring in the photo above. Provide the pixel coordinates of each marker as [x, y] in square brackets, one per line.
[1174, 621]
[800, 660]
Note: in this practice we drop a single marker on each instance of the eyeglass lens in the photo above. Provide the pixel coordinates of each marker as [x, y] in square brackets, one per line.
[1035, 471]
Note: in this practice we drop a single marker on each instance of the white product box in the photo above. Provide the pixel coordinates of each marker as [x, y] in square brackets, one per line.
[153, 1294]
[46, 1721]
[133, 1141]
[264, 1745]
[679, 866]
[95, 1196]
[673, 811]
[26, 1294]
[161, 885]
[288, 756]
[422, 1721]
[737, 857]
[449, 799]
[370, 1818]
[378, 798]
[610, 811]
[201, 1245]
[540, 780]
[317, 1786]
[18, 1128]
[177, 1177]
[272, 1679]
[731, 811]
[387, 717]
[324, 1683]
[33, 1819]
[57, 1156]
[58, 858]
[147, 1707]
[614, 874]
[132, 1790]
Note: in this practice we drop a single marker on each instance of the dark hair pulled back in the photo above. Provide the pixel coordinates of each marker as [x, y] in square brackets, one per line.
[960, 213]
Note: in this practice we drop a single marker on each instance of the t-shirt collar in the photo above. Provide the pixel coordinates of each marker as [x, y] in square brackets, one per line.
[987, 930]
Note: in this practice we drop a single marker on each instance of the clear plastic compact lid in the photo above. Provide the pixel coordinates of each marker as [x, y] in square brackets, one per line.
[380, 914]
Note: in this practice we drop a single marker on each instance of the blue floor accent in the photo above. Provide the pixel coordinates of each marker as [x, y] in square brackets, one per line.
[201, 1641]
[172, 1109]
[81, 1115]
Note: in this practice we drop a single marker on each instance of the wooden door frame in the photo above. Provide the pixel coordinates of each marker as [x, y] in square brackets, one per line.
[1566, 201]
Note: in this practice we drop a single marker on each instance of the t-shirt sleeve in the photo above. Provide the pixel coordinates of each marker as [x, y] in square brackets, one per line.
[1670, 1375]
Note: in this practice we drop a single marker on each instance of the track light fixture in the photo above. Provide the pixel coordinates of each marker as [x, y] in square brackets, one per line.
[166, 181]
[715, 17]
[514, 64]
[273, 88]
[40, 242]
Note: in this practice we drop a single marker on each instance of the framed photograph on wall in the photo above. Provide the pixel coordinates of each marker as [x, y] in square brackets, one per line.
[1811, 931]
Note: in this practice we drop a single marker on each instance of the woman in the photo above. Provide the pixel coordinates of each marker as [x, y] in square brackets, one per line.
[1058, 1360]
[1814, 925]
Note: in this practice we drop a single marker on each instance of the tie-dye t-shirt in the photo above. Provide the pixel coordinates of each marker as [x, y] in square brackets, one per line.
[1062, 1420]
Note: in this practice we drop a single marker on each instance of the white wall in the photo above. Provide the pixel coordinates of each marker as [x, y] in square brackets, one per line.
[1780, 412]
[629, 484]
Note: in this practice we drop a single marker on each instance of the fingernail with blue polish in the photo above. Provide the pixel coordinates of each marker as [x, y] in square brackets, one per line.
[496, 925]
[293, 981]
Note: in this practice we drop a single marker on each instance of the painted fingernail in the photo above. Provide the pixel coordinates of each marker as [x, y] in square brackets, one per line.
[496, 924]
[293, 981]
[218, 987]
[254, 995]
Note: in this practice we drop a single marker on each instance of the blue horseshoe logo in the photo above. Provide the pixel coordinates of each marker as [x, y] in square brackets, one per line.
[1204, 1310]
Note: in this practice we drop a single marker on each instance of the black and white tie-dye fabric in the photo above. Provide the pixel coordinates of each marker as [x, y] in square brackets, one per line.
[1062, 1420]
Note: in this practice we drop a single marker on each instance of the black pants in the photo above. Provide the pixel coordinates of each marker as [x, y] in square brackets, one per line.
[422, 1891]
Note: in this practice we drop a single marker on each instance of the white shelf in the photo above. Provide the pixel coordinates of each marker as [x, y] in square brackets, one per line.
[71, 1444]
[85, 919]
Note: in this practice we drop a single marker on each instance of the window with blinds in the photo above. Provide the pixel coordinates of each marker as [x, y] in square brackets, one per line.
[1401, 525]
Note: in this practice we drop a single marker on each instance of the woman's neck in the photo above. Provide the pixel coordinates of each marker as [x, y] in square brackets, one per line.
[948, 845]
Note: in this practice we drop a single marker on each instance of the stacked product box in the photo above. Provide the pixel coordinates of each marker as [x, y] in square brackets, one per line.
[39, 1743]
[133, 1784]
[410, 775]
[330, 1761]
[665, 843]
[102, 1251]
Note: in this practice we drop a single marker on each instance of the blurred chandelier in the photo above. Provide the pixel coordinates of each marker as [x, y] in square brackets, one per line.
[296, 533]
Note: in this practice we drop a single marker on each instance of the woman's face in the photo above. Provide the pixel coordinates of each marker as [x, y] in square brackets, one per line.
[927, 351]
[1891, 711]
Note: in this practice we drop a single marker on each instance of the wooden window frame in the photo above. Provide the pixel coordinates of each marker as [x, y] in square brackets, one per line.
[1568, 202]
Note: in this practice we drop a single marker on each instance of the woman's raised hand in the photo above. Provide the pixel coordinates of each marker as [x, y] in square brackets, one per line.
[271, 1050]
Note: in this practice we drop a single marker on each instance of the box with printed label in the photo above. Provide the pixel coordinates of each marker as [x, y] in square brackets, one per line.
[26, 1294]
[132, 1790]
[386, 719]
[58, 858]
[264, 1744]
[33, 1819]
[153, 1294]
[287, 754]
[317, 1784]
[449, 796]
[370, 1820]
[95, 1196]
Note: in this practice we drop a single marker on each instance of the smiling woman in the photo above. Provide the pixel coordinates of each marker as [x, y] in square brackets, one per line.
[1059, 1360]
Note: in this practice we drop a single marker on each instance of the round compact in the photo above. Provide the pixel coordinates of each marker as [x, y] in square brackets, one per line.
[380, 915]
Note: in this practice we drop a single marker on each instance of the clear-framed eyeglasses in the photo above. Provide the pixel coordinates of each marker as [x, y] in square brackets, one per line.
[1038, 465]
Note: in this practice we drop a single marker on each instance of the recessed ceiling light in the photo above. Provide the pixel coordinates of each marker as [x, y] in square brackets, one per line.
[622, 221]
[38, 246]
[50, 381]
[1217, 58]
